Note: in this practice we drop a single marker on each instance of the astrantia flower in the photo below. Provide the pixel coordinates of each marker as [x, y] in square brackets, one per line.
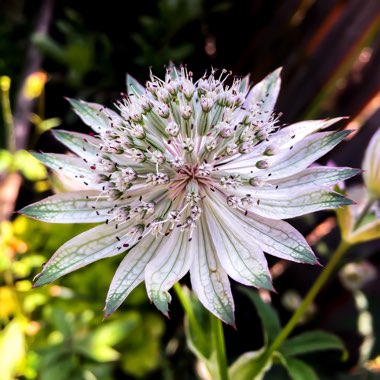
[190, 176]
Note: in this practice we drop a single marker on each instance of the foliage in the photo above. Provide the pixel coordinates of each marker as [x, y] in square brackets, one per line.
[78, 52]
[159, 32]
[62, 324]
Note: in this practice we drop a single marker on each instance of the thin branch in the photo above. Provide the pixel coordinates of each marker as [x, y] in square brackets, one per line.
[33, 61]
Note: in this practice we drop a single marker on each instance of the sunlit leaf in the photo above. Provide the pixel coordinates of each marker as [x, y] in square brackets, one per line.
[48, 124]
[99, 344]
[7, 302]
[12, 349]
[6, 159]
[29, 166]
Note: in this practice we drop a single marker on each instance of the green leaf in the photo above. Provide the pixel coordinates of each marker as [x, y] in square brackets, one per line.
[269, 318]
[61, 369]
[48, 124]
[5, 160]
[299, 370]
[48, 46]
[79, 54]
[249, 366]
[311, 341]
[61, 321]
[29, 166]
[141, 360]
[99, 344]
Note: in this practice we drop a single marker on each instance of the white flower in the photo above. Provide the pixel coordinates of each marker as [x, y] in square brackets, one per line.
[193, 176]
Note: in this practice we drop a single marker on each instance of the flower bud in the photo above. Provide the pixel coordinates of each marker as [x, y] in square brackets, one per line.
[262, 164]
[355, 275]
[270, 150]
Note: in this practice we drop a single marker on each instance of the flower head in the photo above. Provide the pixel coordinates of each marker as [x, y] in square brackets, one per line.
[190, 176]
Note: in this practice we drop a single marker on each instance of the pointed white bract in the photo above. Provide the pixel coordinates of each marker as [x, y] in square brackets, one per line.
[208, 278]
[189, 176]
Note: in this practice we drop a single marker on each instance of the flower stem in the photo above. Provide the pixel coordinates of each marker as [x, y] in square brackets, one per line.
[189, 311]
[220, 346]
[216, 332]
[5, 83]
[321, 280]
[185, 303]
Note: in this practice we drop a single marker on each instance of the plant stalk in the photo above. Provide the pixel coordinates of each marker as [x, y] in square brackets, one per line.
[5, 83]
[185, 303]
[317, 286]
[220, 347]
[364, 213]
[216, 332]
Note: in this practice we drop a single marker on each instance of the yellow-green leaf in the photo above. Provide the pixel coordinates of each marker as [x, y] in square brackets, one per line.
[29, 166]
[12, 349]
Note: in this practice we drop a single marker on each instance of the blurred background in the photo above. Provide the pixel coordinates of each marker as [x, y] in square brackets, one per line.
[330, 51]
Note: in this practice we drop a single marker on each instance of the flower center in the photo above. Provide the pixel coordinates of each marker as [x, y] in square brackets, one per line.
[199, 173]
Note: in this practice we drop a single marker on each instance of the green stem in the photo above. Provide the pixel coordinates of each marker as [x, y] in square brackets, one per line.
[321, 280]
[220, 346]
[5, 83]
[189, 311]
[185, 303]
[216, 331]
